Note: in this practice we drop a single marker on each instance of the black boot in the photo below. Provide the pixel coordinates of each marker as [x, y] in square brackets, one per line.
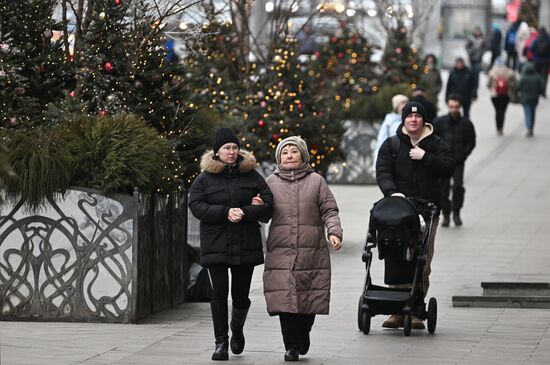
[219, 318]
[456, 217]
[446, 219]
[238, 317]
[292, 355]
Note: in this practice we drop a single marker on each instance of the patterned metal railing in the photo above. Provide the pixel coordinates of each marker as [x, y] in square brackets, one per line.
[88, 257]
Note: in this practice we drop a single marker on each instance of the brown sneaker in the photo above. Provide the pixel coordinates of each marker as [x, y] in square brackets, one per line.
[395, 321]
[417, 323]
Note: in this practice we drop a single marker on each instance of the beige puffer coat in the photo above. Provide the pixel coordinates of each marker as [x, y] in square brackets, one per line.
[297, 263]
[499, 71]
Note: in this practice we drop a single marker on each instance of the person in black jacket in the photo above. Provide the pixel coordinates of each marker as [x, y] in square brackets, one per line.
[229, 197]
[462, 82]
[459, 133]
[412, 169]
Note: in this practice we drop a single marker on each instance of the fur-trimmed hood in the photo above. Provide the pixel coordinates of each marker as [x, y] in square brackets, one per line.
[246, 162]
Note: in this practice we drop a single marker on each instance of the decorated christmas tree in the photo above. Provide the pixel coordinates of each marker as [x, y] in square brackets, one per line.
[104, 83]
[287, 103]
[34, 70]
[344, 70]
[401, 60]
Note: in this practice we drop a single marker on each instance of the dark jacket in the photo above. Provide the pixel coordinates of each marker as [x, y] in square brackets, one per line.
[429, 107]
[459, 134]
[496, 41]
[420, 178]
[541, 48]
[530, 85]
[461, 82]
[217, 189]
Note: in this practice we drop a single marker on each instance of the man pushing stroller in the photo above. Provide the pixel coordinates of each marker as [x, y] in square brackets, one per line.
[409, 164]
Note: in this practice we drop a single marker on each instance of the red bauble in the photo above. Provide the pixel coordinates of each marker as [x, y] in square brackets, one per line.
[261, 123]
[340, 55]
[334, 39]
[300, 106]
[108, 66]
[275, 136]
[103, 113]
[263, 104]
[398, 50]
[317, 54]
[71, 94]
[118, 2]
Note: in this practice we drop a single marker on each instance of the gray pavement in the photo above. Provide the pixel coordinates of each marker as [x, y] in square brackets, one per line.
[504, 238]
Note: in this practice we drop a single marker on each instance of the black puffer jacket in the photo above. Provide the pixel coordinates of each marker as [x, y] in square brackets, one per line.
[217, 189]
[459, 134]
[398, 173]
[462, 83]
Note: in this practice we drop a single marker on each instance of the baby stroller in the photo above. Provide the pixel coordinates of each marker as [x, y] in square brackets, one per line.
[400, 228]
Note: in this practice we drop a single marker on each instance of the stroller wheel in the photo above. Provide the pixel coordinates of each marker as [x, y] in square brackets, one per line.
[360, 313]
[366, 323]
[432, 315]
[407, 324]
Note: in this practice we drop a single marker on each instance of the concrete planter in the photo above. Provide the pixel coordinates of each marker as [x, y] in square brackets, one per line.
[90, 257]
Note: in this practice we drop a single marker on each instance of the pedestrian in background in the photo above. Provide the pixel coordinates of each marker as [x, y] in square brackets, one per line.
[495, 43]
[297, 263]
[460, 135]
[510, 45]
[229, 198]
[413, 169]
[462, 83]
[502, 84]
[419, 95]
[431, 74]
[476, 46]
[391, 122]
[522, 35]
[530, 88]
[541, 55]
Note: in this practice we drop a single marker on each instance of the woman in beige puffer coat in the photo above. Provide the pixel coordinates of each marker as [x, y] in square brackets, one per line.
[297, 262]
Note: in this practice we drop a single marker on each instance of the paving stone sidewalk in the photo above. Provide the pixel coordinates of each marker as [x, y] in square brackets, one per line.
[505, 237]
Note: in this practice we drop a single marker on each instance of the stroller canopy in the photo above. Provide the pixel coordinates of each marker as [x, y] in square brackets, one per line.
[394, 211]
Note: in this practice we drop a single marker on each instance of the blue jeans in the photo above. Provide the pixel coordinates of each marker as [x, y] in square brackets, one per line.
[529, 111]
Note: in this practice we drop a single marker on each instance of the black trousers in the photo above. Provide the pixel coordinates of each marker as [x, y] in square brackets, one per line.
[295, 328]
[466, 108]
[500, 102]
[241, 277]
[457, 188]
[542, 69]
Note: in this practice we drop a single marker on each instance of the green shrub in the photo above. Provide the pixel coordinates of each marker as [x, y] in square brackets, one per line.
[111, 154]
[116, 154]
[42, 162]
[375, 106]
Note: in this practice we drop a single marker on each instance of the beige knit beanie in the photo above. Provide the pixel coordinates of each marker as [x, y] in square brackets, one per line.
[298, 142]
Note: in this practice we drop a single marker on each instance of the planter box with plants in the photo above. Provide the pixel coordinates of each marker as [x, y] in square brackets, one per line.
[112, 251]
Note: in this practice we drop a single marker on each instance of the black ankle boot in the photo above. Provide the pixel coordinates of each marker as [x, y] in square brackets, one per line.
[238, 317]
[292, 355]
[305, 345]
[456, 218]
[219, 319]
[446, 220]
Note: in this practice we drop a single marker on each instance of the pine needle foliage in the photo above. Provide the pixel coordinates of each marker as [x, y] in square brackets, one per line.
[42, 162]
[117, 154]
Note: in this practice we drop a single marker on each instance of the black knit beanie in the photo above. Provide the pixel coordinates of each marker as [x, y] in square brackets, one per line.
[223, 136]
[413, 107]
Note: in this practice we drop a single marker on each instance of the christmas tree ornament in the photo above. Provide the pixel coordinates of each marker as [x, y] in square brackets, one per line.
[261, 123]
[118, 2]
[108, 66]
[102, 15]
[103, 113]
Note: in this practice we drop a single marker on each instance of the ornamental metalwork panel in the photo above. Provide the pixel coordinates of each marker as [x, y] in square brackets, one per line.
[72, 260]
[358, 143]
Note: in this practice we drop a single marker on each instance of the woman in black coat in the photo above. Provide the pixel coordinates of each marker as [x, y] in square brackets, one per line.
[229, 198]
